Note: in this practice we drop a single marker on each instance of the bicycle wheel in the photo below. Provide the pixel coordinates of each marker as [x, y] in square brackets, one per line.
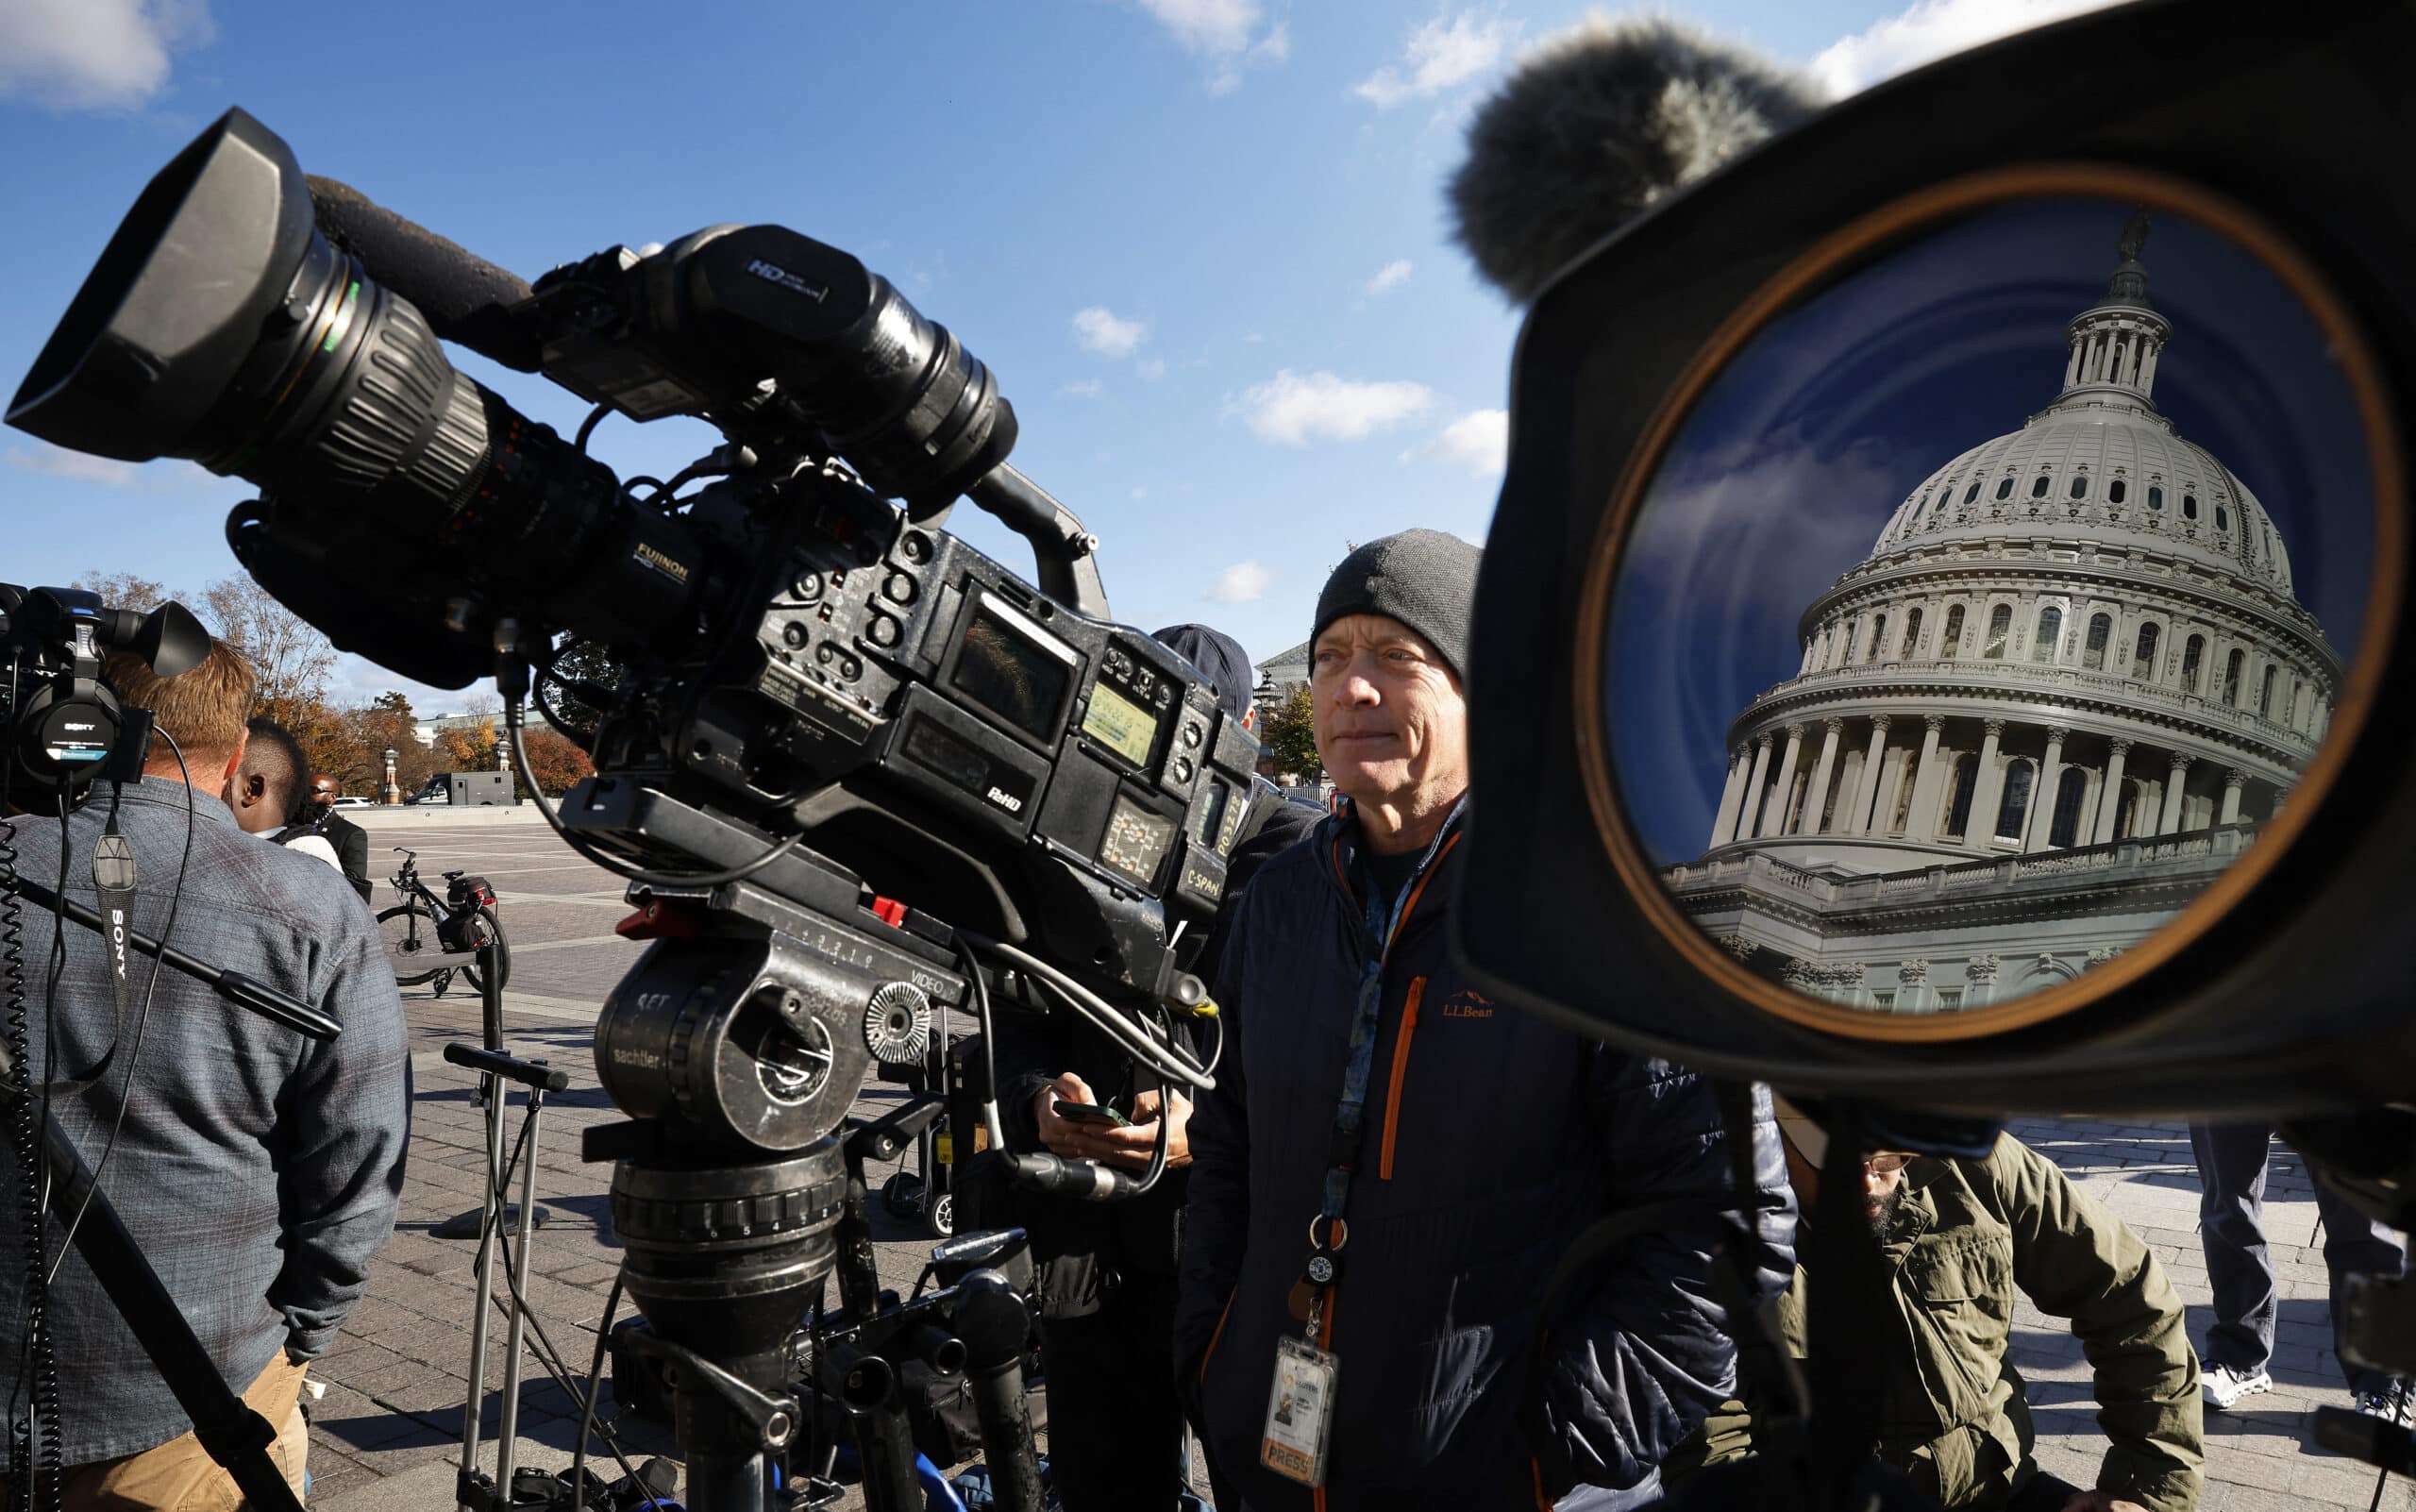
[491, 927]
[411, 938]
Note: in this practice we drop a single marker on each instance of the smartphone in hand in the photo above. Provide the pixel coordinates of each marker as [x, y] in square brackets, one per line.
[1090, 1113]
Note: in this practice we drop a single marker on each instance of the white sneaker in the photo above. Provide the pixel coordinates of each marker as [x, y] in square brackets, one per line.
[2391, 1406]
[2224, 1386]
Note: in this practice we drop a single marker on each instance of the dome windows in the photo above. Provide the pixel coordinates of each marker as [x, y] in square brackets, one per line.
[2265, 696]
[2101, 629]
[2051, 630]
[2188, 506]
[1912, 634]
[2000, 627]
[2143, 653]
[1878, 639]
[2115, 490]
[2039, 486]
[2014, 807]
[2156, 500]
[1952, 641]
[2080, 486]
[2222, 518]
[2232, 669]
[2192, 654]
[2064, 824]
[2004, 489]
[1971, 492]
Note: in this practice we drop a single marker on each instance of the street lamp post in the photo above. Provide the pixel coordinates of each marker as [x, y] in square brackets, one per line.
[394, 794]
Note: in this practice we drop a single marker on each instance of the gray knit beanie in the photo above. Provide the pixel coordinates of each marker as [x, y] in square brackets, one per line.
[1424, 578]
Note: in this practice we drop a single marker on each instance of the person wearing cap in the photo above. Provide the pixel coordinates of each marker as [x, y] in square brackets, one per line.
[1392, 1164]
[1957, 1236]
[1106, 1292]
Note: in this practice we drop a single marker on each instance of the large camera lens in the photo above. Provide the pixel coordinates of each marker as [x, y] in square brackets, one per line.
[219, 326]
[1996, 597]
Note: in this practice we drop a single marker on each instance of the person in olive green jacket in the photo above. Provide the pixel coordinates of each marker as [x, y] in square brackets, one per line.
[1957, 1237]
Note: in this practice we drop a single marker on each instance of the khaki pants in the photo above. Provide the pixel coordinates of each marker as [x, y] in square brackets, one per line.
[180, 1475]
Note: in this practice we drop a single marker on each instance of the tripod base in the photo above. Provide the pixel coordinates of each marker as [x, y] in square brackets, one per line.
[465, 1225]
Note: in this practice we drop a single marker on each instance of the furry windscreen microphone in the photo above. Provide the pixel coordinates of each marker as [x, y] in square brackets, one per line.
[1596, 126]
[462, 295]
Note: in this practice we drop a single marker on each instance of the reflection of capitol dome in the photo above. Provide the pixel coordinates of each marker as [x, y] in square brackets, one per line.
[2078, 638]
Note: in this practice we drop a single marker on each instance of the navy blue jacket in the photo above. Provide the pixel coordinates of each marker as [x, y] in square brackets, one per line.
[1492, 1138]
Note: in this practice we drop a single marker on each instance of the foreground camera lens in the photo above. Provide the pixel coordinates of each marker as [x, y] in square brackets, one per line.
[1989, 605]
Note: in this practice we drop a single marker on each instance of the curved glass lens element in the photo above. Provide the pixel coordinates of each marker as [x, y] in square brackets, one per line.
[1988, 606]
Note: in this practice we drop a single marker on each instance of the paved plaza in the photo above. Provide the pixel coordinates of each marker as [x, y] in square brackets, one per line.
[384, 1436]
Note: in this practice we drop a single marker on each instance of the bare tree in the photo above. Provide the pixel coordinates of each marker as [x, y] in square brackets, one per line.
[286, 653]
[124, 590]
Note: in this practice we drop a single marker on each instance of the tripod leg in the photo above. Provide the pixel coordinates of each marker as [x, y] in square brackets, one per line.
[507, 1430]
[491, 1220]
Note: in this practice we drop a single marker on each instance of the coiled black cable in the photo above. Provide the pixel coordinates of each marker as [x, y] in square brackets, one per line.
[34, 1481]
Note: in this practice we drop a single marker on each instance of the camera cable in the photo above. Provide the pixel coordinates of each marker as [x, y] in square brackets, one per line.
[142, 1017]
[33, 1448]
[1104, 1016]
[515, 712]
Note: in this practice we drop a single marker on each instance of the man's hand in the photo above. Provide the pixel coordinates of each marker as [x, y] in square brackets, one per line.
[1126, 1148]
[2101, 1501]
[1060, 1136]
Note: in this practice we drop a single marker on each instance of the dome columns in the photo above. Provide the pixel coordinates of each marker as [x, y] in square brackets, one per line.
[1731, 797]
[2110, 801]
[2169, 819]
[1923, 822]
[1862, 821]
[2235, 781]
[2042, 802]
[1783, 790]
[1816, 797]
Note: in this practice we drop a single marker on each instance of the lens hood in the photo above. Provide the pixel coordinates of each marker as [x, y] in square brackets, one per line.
[165, 320]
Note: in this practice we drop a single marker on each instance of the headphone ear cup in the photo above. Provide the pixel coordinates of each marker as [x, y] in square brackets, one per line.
[63, 741]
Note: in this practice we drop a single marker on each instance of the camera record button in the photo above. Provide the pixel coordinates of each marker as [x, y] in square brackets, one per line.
[884, 631]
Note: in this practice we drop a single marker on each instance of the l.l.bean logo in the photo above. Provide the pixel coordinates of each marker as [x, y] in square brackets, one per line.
[1466, 1003]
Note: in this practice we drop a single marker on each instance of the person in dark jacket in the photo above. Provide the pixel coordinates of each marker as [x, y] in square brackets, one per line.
[1392, 1164]
[350, 840]
[1106, 1291]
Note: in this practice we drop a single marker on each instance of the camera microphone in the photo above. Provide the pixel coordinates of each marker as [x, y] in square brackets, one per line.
[465, 297]
[1599, 127]
[1085, 1180]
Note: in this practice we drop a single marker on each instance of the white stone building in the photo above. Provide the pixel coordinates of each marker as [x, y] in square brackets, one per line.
[2050, 706]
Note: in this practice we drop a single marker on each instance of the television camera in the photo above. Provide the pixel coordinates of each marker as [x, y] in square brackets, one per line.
[857, 773]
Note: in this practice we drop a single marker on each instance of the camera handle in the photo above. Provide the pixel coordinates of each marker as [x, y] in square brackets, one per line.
[1064, 556]
[233, 1434]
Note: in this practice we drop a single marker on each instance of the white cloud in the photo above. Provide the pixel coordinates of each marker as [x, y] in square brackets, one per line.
[1143, 492]
[1391, 275]
[1439, 56]
[1224, 32]
[1085, 388]
[1151, 369]
[1478, 440]
[163, 477]
[1243, 582]
[94, 55]
[1101, 329]
[1291, 408]
[1928, 30]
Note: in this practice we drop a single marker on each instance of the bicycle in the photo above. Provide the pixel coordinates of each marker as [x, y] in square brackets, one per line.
[464, 920]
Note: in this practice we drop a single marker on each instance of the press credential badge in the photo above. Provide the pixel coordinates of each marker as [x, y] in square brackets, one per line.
[1299, 1412]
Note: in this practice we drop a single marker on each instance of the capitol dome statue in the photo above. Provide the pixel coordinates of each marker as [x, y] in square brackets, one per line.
[2054, 700]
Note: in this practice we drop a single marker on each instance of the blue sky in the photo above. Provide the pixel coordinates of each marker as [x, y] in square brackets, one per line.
[1202, 241]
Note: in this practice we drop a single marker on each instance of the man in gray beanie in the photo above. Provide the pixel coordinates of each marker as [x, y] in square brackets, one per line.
[1390, 1165]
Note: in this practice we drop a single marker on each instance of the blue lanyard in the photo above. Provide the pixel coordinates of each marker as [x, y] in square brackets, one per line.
[1382, 922]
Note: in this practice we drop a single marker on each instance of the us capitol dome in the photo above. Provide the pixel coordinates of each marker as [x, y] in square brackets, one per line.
[2051, 704]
